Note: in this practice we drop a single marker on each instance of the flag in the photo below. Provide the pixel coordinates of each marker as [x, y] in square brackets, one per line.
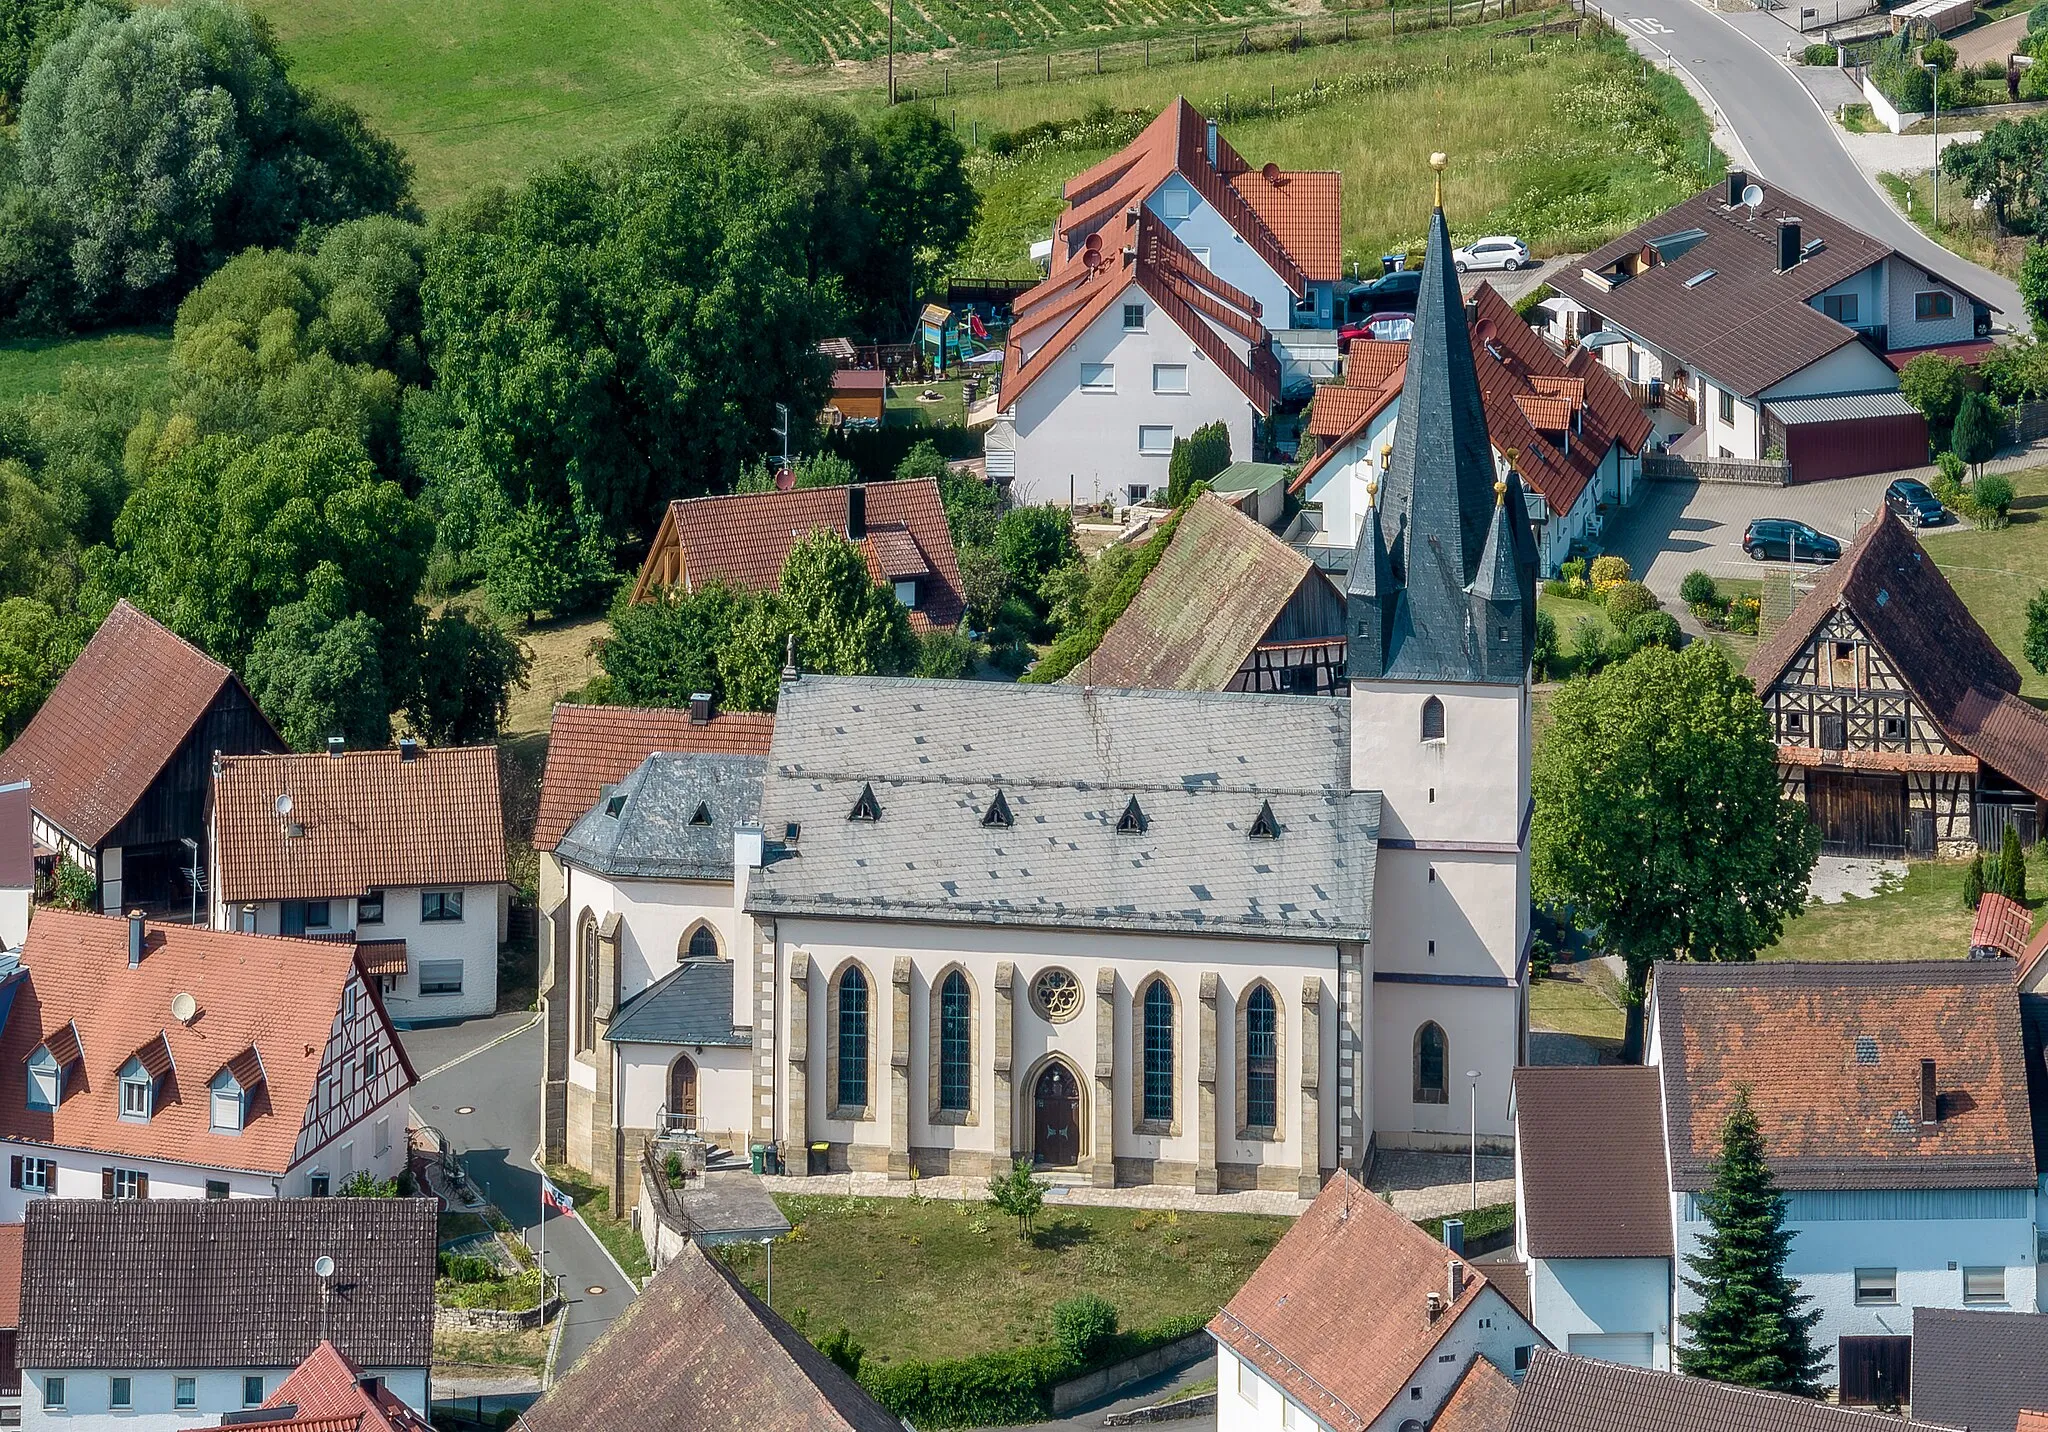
[554, 1198]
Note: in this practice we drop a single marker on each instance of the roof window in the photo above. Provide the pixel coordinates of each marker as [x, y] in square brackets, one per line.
[998, 813]
[1672, 246]
[702, 815]
[866, 807]
[613, 806]
[1699, 278]
[1133, 820]
[1866, 1049]
[1265, 827]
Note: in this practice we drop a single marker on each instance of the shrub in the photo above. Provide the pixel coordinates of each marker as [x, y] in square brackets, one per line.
[2012, 866]
[1991, 496]
[364, 1184]
[463, 1268]
[1958, 90]
[1544, 654]
[1939, 53]
[944, 656]
[1818, 55]
[843, 1352]
[1973, 882]
[2037, 18]
[1573, 570]
[2034, 82]
[1951, 468]
[1608, 571]
[1589, 646]
[1629, 600]
[1897, 74]
[1992, 70]
[1081, 1325]
[1744, 614]
[1698, 589]
[1654, 629]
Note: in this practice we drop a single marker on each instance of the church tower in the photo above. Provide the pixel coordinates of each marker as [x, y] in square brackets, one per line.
[1442, 618]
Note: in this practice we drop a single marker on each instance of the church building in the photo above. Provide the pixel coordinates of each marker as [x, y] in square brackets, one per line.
[1223, 940]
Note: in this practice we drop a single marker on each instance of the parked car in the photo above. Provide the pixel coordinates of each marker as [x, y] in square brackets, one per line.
[1497, 251]
[1393, 292]
[1788, 541]
[1915, 504]
[1378, 328]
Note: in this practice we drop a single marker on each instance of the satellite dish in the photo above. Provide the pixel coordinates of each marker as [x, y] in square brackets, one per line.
[1483, 330]
[183, 1007]
[1271, 172]
[282, 805]
[1753, 196]
[324, 1266]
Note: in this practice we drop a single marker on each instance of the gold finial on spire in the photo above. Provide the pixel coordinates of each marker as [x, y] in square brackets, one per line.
[1386, 455]
[1500, 492]
[1372, 492]
[1438, 161]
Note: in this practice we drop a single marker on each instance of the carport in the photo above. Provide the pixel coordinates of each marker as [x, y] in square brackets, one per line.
[1846, 434]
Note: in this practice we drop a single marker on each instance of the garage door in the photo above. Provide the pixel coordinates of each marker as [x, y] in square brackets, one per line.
[1858, 814]
[1631, 1349]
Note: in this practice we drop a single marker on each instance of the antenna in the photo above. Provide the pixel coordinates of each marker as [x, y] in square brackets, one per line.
[184, 1009]
[1753, 196]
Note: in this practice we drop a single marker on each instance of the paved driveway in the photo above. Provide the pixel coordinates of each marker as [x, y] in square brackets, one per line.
[1674, 527]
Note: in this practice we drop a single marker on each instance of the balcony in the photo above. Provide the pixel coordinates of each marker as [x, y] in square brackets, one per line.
[1657, 394]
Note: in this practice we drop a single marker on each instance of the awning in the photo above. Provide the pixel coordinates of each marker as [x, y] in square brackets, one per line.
[1968, 354]
[382, 957]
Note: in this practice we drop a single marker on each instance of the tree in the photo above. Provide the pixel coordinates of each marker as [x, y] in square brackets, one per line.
[846, 625]
[1749, 1329]
[38, 556]
[1032, 541]
[315, 675]
[1659, 817]
[2012, 866]
[2004, 165]
[983, 583]
[1936, 386]
[26, 29]
[2035, 647]
[1973, 882]
[1017, 1194]
[538, 558]
[36, 646]
[2033, 282]
[843, 1352]
[1976, 434]
[1082, 1324]
[924, 206]
[467, 669]
[1197, 458]
[663, 652]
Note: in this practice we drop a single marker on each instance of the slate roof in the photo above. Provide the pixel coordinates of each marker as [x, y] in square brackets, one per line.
[112, 723]
[591, 747]
[648, 826]
[1900, 599]
[697, 1352]
[1215, 594]
[1481, 1402]
[1337, 1316]
[742, 539]
[1591, 1144]
[1979, 1369]
[1831, 1054]
[371, 819]
[193, 1283]
[325, 1393]
[1749, 326]
[78, 993]
[2002, 924]
[1068, 760]
[1562, 1393]
[691, 1004]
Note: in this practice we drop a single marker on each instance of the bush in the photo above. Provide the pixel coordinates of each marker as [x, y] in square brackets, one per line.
[2037, 18]
[1081, 1325]
[1608, 571]
[1991, 496]
[2034, 82]
[1939, 53]
[2012, 866]
[1654, 629]
[463, 1268]
[1897, 74]
[76, 887]
[1573, 570]
[1002, 1388]
[1698, 589]
[1589, 646]
[1973, 882]
[1628, 600]
[1958, 90]
[1544, 655]
[944, 656]
[1744, 615]
[1992, 71]
[1818, 55]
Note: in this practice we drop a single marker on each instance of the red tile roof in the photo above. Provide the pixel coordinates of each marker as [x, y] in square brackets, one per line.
[77, 977]
[2032, 1422]
[1302, 210]
[2001, 924]
[326, 1392]
[2005, 733]
[1815, 757]
[1592, 1127]
[742, 540]
[370, 819]
[112, 723]
[381, 957]
[10, 1275]
[1481, 1402]
[591, 747]
[2030, 957]
[1338, 1314]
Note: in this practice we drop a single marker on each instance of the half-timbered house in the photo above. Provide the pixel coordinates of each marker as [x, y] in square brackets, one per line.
[1898, 720]
[163, 1061]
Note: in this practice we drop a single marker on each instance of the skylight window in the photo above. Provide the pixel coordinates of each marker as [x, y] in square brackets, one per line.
[1866, 1049]
[866, 807]
[702, 816]
[1265, 827]
[613, 806]
[1699, 278]
[998, 813]
[1133, 820]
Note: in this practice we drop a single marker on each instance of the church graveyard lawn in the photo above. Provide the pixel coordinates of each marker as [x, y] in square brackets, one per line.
[1581, 998]
[1568, 613]
[1921, 917]
[593, 1206]
[1996, 572]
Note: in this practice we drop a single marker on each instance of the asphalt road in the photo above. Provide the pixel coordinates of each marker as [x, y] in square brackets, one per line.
[1735, 57]
[500, 1087]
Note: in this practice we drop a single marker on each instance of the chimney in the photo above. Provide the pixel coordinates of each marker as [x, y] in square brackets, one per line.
[408, 749]
[1454, 1235]
[1457, 1278]
[1210, 143]
[135, 945]
[1436, 1306]
[335, 745]
[856, 512]
[1930, 1102]
[1738, 180]
[700, 708]
[1788, 243]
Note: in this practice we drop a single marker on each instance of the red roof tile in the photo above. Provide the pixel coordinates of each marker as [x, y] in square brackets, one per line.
[742, 540]
[10, 1275]
[369, 819]
[1587, 1127]
[326, 1391]
[591, 747]
[2005, 733]
[1302, 210]
[77, 977]
[382, 957]
[2031, 956]
[112, 723]
[1481, 1402]
[1814, 756]
[2001, 924]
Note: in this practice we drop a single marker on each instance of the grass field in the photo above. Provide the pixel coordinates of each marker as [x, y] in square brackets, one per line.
[29, 366]
[1995, 573]
[1583, 999]
[1963, 230]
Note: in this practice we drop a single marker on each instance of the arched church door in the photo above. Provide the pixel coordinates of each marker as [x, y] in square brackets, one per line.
[1057, 1101]
[682, 1093]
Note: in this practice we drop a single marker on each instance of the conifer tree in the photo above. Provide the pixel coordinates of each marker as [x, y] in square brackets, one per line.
[1749, 1328]
[2012, 867]
[1973, 881]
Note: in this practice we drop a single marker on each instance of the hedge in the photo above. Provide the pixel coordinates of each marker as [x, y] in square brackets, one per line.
[1078, 645]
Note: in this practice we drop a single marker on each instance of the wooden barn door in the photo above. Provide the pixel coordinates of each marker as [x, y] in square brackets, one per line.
[1876, 1371]
[1858, 814]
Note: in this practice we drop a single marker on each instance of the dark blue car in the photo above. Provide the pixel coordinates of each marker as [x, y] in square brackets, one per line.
[1914, 503]
[1781, 539]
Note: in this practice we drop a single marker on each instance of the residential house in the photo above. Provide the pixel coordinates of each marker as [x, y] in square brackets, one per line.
[1599, 1269]
[698, 1352]
[151, 1317]
[1979, 1369]
[1750, 329]
[401, 852]
[328, 1393]
[1183, 285]
[1564, 1393]
[590, 748]
[1898, 720]
[1359, 1320]
[1893, 1101]
[143, 1061]
[743, 538]
[17, 864]
[118, 760]
[1569, 431]
[1229, 607]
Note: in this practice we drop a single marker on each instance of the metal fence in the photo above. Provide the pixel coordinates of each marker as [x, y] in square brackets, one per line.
[1755, 472]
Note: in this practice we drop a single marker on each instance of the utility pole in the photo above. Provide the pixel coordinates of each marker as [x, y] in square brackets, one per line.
[1934, 73]
[1473, 1075]
[782, 412]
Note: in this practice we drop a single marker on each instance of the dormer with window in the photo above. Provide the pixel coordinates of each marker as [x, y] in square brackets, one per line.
[231, 1093]
[49, 1066]
[141, 1080]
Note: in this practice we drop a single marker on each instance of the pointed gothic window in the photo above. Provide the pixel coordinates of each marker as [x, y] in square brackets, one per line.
[1158, 1052]
[1432, 1058]
[1133, 820]
[1265, 827]
[866, 807]
[702, 815]
[853, 1039]
[702, 944]
[956, 1025]
[1262, 1060]
[998, 813]
[1432, 720]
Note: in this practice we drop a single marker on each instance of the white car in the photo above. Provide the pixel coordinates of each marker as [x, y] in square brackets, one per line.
[1498, 251]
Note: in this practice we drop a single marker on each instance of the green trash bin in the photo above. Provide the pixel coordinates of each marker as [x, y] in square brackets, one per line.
[760, 1158]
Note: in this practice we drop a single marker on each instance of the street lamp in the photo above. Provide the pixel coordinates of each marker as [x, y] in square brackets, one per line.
[1934, 73]
[1473, 1075]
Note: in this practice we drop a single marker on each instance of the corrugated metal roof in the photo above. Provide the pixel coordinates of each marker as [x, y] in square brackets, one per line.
[1248, 477]
[1836, 407]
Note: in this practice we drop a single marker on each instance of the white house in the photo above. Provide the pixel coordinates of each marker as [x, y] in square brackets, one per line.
[143, 1061]
[401, 852]
[1359, 1320]
[158, 1317]
[17, 864]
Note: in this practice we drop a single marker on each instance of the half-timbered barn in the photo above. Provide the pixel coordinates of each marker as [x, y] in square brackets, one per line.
[1898, 720]
[140, 1060]
[1230, 607]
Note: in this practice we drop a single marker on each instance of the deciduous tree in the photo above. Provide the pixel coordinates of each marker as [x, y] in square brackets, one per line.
[315, 675]
[1017, 1193]
[662, 652]
[468, 668]
[36, 645]
[1976, 434]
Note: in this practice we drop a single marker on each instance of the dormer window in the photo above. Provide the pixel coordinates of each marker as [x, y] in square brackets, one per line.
[227, 1107]
[138, 1092]
[45, 1079]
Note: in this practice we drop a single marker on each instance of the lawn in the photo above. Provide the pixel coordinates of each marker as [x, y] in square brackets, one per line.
[1963, 229]
[1580, 998]
[937, 1278]
[1921, 917]
[455, 1351]
[1996, 572]
[908, 407]
[1570, 615]
[29, 366]
[593, 1206]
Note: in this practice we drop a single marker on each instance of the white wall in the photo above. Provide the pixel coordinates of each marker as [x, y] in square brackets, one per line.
[1603, 1295]
[1340, 483]
[14, 907]
[1229, 257]
[1852, 368]
[654, 916]
[724, 1083]
[1478, 773]
[218, 1391]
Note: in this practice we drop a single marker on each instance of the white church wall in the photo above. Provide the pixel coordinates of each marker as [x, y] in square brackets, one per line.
[1470, 786]
[724, 1075]
[1482, 1030]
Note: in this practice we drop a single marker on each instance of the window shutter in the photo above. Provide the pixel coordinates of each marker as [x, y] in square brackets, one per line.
[14, 1171]
[107, 1183]
[142, 1185]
